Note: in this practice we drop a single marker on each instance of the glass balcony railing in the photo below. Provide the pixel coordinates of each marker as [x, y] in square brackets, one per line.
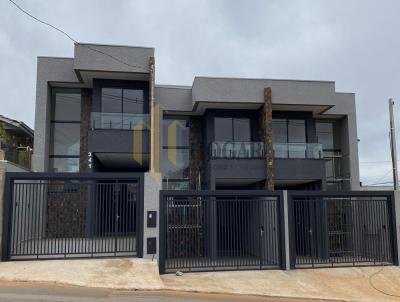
[256, 150]
[125, 121]
[298, 150]
[237, 150]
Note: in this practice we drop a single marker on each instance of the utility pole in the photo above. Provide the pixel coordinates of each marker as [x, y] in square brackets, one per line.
[393, 147]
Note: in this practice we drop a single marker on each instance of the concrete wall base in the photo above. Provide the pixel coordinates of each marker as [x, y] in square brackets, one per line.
[152, 187]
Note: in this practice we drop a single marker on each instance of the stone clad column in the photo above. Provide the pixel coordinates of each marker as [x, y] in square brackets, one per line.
[266, 134]
[86, 108]
[196, 152]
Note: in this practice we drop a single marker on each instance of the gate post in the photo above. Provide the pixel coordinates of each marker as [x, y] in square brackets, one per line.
[151, 203]
[286, 229]
[2, 207]
[395, 209]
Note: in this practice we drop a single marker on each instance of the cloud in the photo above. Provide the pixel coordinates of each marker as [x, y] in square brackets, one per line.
[354, 43]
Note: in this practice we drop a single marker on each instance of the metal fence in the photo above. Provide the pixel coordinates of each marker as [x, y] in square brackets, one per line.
[72, 215]
[341, 229]
[220, 230]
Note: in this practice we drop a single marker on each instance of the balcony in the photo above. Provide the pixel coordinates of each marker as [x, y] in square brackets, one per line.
[232, 162]
[120, 121]
[237, 150]
[298, 150]
[120, 140]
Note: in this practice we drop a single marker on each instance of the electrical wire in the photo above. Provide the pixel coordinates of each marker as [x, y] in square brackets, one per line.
[73, 40]
[381, 178]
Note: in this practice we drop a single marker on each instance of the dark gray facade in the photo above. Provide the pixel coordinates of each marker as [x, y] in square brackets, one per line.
[314, 127]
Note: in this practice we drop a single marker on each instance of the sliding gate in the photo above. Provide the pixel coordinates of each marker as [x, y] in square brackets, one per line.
[341, 229]
[220, 230]
[69, 215]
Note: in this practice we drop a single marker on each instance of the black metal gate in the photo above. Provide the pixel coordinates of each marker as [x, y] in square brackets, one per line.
[341, 229]
[220, 230]
[72, 215]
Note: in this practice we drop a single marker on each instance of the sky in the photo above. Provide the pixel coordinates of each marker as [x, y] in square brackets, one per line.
[355, 43]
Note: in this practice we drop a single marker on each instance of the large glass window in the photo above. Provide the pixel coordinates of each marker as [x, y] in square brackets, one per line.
[328, 134]
[133, 101]
[279, 131]
[64, 164]
[289, 138]
[176, 154]
[65, 139]
[65, 130]
[325, 134]
[223, 129]
[111, 100]
[67, 107]
[118, 100]
[227, 129]
[296, 131]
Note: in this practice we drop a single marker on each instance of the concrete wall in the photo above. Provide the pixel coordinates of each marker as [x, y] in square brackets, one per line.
[48, 70]
[234, 169]
[236, 90]
[152, 187]
[120, 141]
[299, 169]
[174, 98]
[91, 57]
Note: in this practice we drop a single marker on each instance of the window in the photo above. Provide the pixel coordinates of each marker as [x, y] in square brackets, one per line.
[227, 129]
[65, 138]
[325, 134]
[118, 100]
[289, 138]
[67, 107]
[65, 130]
[241, 130]
[328, 134]
[176, 154]
[296, 131]
[111, 100]
[64, 164]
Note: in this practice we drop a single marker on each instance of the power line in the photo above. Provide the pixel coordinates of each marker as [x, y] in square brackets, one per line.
[73, 40]
[381, 178]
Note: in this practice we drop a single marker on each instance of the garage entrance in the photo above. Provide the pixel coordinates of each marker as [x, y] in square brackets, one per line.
[73, 215]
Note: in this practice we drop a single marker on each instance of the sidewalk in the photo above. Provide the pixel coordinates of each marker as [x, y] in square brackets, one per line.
[342, 284]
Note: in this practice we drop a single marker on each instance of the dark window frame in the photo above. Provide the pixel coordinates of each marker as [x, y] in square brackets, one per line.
[98, 84]
[53, 121]
[166, 147]
[144, 105]
[233, 118]
[287, 128]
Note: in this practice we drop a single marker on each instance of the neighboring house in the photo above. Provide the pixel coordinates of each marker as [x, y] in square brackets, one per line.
[16, 142]
[105, 114]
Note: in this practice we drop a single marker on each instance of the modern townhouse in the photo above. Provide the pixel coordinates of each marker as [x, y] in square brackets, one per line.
[227, 173]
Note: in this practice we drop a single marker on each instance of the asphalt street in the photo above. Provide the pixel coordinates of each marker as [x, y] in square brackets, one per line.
[29, 292]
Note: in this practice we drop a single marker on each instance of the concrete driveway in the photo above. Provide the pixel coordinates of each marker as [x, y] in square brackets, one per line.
[343, 284]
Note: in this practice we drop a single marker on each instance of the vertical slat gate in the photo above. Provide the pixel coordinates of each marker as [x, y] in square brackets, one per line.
[342, 229]
[213, 230]
[62, 216]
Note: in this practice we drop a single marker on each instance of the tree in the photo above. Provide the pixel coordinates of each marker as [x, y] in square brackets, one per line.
[2, 131]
